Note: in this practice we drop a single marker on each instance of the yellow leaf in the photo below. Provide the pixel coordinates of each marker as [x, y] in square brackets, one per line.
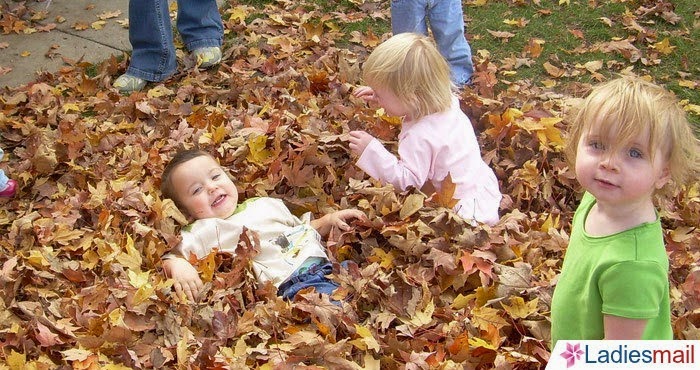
[518, 309]
[37, 259]
[132, 258]
[564, 2]
[593, 65]
[239, 13]
[461, 301]
[259, 154]
[478, 342]
[217, 133]
[482, 317]
[138, 279]
[16, 361]
[25, 53]
[664, 47]
[552, 70]
[549, 223]
[411, 205]
[687, 83]
[386, 260]
[367, 337]
[207, 266]
[159, 91]
[116, 317]
[550, 134]
[692, 108]
[143, 294]
[424, 317]
[98, 25]
[70, 107]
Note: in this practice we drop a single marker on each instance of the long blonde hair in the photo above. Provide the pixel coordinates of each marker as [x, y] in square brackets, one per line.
[627, 106]
[411, 67]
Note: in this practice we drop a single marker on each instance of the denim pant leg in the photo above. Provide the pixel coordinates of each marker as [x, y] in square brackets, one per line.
[447, 23]
[151, 37]
[3, 177]
[315, 277]
[409, 16]
[199, 23]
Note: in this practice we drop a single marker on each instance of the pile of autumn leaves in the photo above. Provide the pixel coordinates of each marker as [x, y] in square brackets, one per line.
[80, 247]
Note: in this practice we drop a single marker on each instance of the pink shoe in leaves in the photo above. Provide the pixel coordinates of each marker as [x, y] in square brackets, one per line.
[10, 190]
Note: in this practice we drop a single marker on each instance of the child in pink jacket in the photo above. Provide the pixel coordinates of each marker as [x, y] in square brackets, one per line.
[408, 77]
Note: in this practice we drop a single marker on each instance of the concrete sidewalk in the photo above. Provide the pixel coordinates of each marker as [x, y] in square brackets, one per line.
[26, 53]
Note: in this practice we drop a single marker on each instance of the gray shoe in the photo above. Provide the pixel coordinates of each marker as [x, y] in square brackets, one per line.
[208, 56]
[128, 83]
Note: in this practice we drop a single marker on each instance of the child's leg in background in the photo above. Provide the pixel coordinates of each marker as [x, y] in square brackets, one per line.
[409, 16]
[447, 24]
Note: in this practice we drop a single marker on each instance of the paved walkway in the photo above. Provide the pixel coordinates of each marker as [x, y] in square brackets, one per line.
[27, 53]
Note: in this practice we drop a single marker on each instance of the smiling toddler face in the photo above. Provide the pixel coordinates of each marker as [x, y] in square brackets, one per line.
[204, 189]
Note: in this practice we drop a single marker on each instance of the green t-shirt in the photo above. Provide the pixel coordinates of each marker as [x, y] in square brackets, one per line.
[623, 274]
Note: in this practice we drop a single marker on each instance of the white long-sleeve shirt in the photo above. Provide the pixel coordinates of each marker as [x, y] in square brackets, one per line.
[286, 242]
[429, 149]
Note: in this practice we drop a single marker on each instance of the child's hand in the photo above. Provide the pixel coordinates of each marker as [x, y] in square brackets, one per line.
[186, 278]
[359, 141]
[338, 220]
[365, 93]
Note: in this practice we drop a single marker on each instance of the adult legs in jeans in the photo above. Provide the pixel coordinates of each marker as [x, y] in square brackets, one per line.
[151, 35]
[446, 21]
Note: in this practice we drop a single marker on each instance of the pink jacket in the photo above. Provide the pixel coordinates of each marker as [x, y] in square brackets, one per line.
[429, 149]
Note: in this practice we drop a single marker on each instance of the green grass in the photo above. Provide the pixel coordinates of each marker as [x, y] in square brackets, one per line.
[552, 23]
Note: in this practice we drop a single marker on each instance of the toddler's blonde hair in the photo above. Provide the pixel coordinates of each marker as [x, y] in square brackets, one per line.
[625, 107]
[411, 67]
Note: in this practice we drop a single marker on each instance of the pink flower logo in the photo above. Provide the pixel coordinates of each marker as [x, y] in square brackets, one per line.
[572, 354]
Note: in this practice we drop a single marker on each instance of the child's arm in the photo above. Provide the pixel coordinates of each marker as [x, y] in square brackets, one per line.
[186, 278]
[337, 219]
[359, 141]
[618, 328]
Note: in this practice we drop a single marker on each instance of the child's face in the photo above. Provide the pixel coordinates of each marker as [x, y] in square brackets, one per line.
[204, 189]
[619, 174]
[392, 105]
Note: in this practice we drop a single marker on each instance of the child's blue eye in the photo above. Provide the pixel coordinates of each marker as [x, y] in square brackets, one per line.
[635, 153]
[597, 145]
[215, 177]
[196, 191]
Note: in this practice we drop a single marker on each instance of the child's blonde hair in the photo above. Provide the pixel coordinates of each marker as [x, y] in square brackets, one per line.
[411, 67]
[625, 107]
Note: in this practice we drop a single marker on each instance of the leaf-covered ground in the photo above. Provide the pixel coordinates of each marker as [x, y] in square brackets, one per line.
[80, 268]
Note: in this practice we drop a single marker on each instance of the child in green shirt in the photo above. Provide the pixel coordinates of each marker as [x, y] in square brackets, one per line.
[629, 141]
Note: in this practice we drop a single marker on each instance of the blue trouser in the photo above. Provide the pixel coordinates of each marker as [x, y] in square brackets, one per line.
[446, 21]
[314, 276]
[151, 34]
[3, 177]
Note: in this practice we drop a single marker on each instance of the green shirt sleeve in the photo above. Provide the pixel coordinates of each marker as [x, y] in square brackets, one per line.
[633, 289]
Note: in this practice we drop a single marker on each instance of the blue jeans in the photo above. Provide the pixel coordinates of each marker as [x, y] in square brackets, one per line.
[315, 277]
[446, 21]
[3, 177]
[151, 34]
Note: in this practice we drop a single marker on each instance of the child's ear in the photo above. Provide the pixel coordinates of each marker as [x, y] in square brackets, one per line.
[664, 178]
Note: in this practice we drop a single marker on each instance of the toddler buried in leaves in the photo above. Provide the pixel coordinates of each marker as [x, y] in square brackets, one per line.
[291, 255]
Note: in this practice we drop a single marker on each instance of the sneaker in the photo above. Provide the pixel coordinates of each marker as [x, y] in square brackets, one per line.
[207, 56]
[10, 190]
[128, 83]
